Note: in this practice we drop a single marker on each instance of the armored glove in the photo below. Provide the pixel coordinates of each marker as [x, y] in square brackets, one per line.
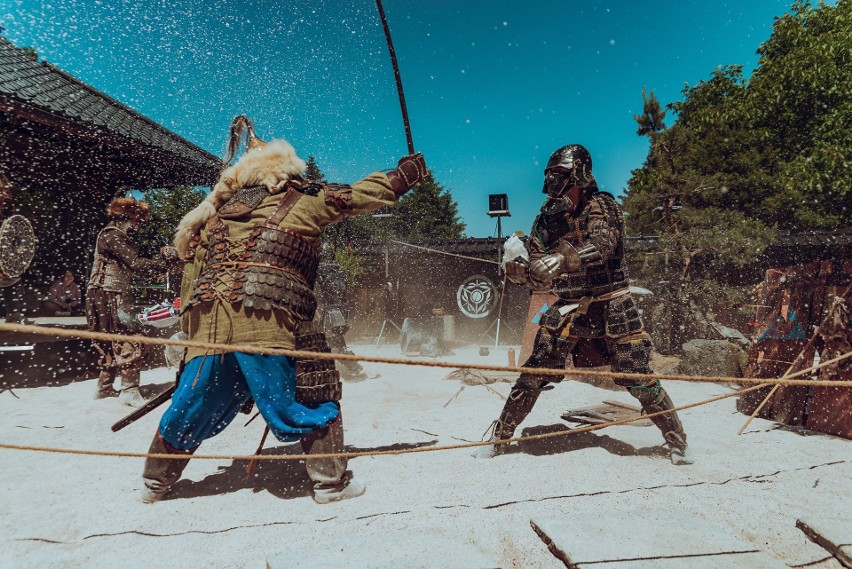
[545, 269]
[564, 260]
[174, 263]
[570, 258]
[517, 271]
[410, 171]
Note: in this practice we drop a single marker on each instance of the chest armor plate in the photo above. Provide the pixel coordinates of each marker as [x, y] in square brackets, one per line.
[107, 273]
[593, 279]
[272, 268]
[558, 228]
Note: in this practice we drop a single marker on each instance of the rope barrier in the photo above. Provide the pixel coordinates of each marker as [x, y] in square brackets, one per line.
[758, 383]
[221, 348]
[380, 452]
[429, 250]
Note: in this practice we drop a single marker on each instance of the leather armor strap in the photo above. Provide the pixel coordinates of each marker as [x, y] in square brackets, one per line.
[285, 205]
[599, 298]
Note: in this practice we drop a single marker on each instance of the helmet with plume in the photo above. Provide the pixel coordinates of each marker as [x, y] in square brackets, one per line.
[263, 164]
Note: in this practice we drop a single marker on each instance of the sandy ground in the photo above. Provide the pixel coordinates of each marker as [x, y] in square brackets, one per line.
[79, 511]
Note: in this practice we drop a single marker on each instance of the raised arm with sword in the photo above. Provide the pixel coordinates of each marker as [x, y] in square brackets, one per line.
[167, 393]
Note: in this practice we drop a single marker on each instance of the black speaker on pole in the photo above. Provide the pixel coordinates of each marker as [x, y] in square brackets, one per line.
[498, 205]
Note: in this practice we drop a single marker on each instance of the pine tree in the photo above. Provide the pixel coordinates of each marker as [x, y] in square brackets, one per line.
[313, 172]
[167, 207]
[677, 195]
[427, 212]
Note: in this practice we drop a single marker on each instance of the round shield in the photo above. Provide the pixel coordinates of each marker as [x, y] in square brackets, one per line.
[17, 247]
[477, 297]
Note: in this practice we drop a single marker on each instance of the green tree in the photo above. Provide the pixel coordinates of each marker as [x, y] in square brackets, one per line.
[800, 97]
[677, 195]
[427, 212]
[746, 157]
[167, 207]
[313, 172]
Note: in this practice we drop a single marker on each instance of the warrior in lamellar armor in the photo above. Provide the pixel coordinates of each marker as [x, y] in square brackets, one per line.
[333, 304]
[252, 251]
[108, 307]
[576, 250]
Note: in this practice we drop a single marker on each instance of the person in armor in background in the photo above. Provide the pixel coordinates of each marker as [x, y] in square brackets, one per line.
[576, 251]
[252, 251]
[331, 292]
[116, 261]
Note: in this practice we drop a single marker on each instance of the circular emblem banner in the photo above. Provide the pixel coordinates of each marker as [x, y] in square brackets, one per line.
[477, 297]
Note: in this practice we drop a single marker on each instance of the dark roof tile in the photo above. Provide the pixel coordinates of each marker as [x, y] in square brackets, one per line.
[52, 90]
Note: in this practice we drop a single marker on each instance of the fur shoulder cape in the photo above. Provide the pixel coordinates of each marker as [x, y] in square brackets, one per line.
[266, 166]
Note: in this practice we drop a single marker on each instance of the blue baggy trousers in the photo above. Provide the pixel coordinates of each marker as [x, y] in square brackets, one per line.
[213, 388]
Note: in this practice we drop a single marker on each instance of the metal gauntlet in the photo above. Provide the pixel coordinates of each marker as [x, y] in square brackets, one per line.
[588, 255]
[517, 271]
[571, 259]
[546, 268]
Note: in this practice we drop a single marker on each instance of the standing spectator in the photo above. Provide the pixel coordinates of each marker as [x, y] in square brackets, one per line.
[63, 298]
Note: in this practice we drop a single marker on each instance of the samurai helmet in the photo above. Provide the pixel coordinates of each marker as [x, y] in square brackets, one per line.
[568, 176]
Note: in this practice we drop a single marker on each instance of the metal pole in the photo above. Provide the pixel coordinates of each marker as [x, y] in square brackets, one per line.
[502, 288]
[397, 77]
[499, 313]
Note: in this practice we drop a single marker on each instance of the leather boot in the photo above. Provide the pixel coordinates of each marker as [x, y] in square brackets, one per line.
[105, 388]
[332, 482]
[130, 388]
[655, 399]
[519, 404]
[160, 473]
[352, 371]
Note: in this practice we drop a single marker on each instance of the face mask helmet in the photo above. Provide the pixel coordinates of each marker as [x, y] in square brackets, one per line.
[569, 174]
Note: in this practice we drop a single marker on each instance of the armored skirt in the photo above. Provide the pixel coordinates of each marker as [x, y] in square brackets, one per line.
[102, 316]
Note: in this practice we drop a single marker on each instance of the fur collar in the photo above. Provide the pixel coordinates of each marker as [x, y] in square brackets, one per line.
[266, 166]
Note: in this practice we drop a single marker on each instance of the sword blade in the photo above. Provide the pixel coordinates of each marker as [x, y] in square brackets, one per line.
[149, 406]
[398, 78]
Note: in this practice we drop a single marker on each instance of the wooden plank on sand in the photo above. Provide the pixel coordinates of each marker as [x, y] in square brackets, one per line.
[832, 534]
[647, 539]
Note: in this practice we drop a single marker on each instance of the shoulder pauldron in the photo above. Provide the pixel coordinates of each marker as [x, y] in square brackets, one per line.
[243, 202]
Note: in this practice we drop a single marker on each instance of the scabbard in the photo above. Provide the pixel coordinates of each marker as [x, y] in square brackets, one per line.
[152, 404]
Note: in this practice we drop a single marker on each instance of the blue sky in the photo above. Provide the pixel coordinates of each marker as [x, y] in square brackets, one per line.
[492, 86]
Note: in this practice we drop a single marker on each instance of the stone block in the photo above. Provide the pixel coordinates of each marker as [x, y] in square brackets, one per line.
[713, 358]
